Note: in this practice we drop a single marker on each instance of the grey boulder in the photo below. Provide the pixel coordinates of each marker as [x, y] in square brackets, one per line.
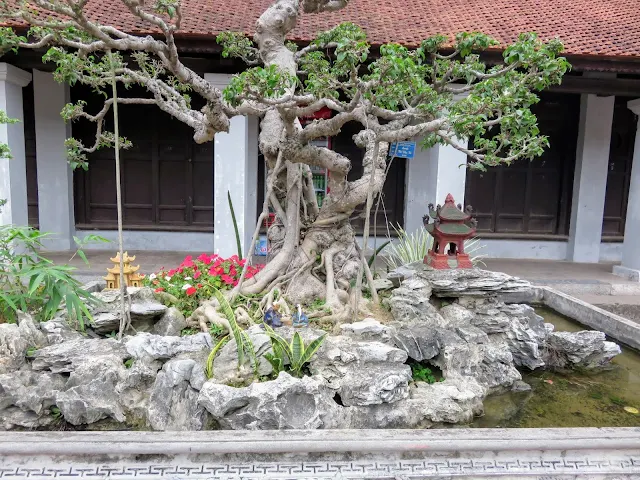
[173, 404]
[170, 324]
[411, 302]
[284, 403]
[155, 347]
[15, 339]
[67, 356]
[586, 349]
[91, 391]
[362, 373]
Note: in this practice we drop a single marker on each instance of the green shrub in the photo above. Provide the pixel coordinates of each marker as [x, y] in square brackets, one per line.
[31, 283]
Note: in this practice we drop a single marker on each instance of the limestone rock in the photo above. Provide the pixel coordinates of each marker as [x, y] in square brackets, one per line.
[586, 349]
[473, 281]
[362, 373]
[170, 324]
[456, 315]
[225, 365]
[410, 302]
[13, 417]
[94, 286]
[524, 344]
[455, 400]
[156, 347]
[57, 330]
[173, 404]
[91, 393]
[67, 356]
[13, 348]
[421, 342]
[284, 403]
[491, 364]
[15, 339]
[30, 391]
[382, 284]
[369, 329]
[145, 310]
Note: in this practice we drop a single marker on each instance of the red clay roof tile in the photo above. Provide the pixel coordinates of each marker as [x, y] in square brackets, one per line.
[586, 27]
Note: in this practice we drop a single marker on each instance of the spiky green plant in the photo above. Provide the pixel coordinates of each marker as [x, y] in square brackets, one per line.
[295, 351]
[412, 247]
[214, 351]
[242, 339]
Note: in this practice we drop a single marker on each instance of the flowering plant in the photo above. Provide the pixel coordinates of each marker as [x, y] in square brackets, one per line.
[195, 280]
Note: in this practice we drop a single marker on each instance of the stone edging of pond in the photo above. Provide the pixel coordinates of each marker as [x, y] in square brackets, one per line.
[353, 454]
[615, 326]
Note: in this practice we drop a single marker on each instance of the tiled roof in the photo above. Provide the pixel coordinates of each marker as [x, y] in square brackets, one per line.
[586, 27]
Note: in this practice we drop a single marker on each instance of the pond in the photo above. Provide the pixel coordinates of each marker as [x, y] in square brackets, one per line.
[607, 398]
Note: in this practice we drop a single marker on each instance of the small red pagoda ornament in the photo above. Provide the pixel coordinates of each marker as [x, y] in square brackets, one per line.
[450, 228]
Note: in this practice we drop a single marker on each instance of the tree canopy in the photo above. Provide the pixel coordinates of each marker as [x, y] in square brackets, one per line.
[441, 92]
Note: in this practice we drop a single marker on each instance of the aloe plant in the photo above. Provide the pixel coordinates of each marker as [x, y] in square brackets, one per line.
[295, 351]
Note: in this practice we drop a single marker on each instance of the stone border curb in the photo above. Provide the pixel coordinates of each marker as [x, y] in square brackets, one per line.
[309, 441]
[615, 326]
[593, 453]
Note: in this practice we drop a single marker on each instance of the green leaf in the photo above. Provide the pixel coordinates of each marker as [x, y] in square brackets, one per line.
[312, 348]
[212, 355]
[235, 225]
[297, 351]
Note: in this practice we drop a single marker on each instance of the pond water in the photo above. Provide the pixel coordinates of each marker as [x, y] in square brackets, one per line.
[570, 399]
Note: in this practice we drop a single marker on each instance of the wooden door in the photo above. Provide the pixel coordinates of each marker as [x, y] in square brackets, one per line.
[623, 135]
[531, 197]
[30, 154]
[167, 179]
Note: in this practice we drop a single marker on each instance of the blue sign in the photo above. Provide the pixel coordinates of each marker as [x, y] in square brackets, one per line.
[403, 149]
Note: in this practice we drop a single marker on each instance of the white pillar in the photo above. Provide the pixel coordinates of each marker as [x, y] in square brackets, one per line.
[590, 178]
[13, 171]
[55, 178]
[235, 171]
[630, 267]
[431, 175]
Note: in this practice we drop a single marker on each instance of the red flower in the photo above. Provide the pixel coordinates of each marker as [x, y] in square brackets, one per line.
[234, 259]
[197, 274]
[188, 262]
[171, 273]
[227, 279]
[159, 289]
[204, 258]
[191, 291]
[215, 271]
[199, 285]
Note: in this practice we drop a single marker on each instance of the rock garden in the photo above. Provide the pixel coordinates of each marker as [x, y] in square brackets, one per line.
[440, 344]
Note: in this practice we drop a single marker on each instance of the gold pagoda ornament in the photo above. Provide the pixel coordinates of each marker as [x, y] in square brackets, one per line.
[131, 277]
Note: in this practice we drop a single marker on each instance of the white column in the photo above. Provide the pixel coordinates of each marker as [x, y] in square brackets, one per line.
[431, 175]
[55, 178]
[590, 178]
[13, 171]
[236, 172]
[630, 267]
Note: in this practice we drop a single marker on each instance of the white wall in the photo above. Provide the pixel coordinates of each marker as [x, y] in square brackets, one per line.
[13, 171]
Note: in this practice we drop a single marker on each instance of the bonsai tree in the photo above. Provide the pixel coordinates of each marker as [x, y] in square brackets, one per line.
[440, 92]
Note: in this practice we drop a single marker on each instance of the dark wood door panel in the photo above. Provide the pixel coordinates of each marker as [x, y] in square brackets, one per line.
[623, 134]
[167, 180]
[531, 197]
